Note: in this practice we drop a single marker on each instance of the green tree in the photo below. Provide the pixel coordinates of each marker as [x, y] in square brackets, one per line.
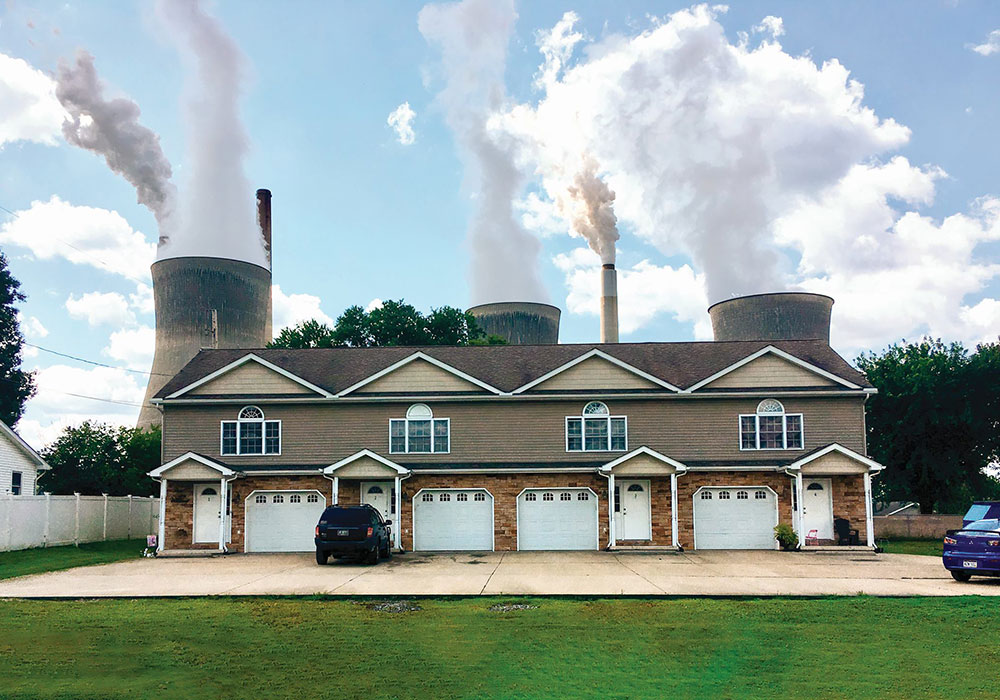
[933, 422]
[393, 323]
[16, 385]
[95, 458]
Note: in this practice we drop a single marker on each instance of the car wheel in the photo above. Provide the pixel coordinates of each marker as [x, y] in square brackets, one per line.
[372, 557]
[961, 576]
[321, 556]
[386, 551]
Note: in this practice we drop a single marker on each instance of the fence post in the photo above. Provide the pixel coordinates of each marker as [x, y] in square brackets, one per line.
[76, 529]
[48, 510]
[104, 530]
[129, 517]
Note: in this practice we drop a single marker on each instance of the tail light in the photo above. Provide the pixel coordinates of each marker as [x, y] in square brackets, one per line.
[317, 531]
[950, 540]
[371, 530]
[994, 543]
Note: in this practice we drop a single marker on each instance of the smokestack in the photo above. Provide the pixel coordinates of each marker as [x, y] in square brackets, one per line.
[609, 303]
[264, 223]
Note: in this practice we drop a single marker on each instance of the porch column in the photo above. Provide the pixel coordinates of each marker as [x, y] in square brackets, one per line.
[611, 507]
[398, 523]
[673, 510]
[223, 496]
[336, 490]
[869, 524]
[798, 513]
[161, 528]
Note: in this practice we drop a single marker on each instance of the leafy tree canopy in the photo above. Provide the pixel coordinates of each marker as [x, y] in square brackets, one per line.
[94, 458]
[16, 385]
[934, 422]
[393, 323]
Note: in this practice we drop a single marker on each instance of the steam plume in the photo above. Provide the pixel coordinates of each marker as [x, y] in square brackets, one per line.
[592, 213]
[111, 129]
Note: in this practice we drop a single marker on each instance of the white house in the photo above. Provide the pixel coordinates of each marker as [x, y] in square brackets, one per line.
[19, 464]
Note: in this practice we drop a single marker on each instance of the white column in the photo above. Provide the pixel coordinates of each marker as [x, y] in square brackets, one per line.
[397, 524]
[611, 508]
[162, 526]
[336, 490]
[798, 514]
[223, 497]
[673, 510]
[869, 524]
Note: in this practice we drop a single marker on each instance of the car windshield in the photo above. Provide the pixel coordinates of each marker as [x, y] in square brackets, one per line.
[977, 512]
[979, 526]
[348, 516]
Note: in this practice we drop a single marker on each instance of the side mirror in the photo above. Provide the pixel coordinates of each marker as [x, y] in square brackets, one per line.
[388, 522]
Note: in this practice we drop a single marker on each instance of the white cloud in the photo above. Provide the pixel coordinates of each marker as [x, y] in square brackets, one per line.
[82, 235]
[31, 327]
[290, 309]
[990, 46]
[29, 110]
[133, 347]
[401, 121]
[101, 307]
[142, 301]
[772, 25]
[375, 303]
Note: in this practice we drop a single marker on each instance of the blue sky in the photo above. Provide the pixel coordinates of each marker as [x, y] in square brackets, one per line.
[359, 216]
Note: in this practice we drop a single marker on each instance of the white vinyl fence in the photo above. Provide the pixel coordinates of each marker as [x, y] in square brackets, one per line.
[48, 521]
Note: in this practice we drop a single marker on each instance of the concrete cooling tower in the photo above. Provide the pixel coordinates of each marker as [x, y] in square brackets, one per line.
[519, 322]
[776, 316]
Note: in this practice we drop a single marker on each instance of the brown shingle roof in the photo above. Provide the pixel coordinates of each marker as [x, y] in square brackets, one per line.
[508, 367]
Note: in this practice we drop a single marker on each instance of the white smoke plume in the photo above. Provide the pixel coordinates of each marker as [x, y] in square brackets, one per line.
[472, 37]
[111, 128]
[217, 215]
[591, 211]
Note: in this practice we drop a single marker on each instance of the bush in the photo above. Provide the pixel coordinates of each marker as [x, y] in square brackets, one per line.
[786, 536]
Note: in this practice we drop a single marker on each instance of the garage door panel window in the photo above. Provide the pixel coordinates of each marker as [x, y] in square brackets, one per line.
[419, 432]
[596, 430]
[770, 428]
[250, 434]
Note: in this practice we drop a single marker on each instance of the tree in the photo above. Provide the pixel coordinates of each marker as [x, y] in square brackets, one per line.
[95, 458]
[393, 323]
[933, 422]
[16, 385]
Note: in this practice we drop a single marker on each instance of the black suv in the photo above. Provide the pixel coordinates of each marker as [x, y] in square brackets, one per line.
[352, 530]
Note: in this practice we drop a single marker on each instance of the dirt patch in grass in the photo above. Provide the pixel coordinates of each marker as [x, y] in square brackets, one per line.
[390, 606]
[512, 607]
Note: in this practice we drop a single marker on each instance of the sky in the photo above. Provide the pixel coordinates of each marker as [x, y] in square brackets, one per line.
[463, 152]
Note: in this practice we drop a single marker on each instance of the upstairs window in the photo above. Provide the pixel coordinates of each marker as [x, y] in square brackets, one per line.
[596, 430]
[250, 434]
[420, 432]
[770, 428]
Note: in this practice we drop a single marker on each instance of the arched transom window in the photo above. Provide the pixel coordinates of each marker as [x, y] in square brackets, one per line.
[250, 434]
[596, 430]
[419, 432]
[770, 428]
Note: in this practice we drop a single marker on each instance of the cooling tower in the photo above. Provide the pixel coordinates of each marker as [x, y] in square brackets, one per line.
[776, 316]
[519, 322]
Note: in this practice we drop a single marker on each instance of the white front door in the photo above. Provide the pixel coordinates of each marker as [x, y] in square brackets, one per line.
[378, 495]
[207, 511]
[633, 510]
[817, 508]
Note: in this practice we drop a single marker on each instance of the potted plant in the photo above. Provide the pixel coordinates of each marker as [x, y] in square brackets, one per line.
[787, 537]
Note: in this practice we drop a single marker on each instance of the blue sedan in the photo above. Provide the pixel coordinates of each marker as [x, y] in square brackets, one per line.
[975, 549]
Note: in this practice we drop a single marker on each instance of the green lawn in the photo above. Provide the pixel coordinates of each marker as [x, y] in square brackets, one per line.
[38, 561]
[453, 648]
[931, 548]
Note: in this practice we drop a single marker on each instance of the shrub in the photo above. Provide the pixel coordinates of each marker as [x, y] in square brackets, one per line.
[786, 536]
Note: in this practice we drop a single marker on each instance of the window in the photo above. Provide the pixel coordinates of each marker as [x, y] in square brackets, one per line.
[618, 506]
[261, 498]
[546, 496]
[760, 495]
[250, 434]
[723, 495]
[596, 430]
[814, 486]
[278, 499]
[706, 495]
[444, 497]
[295, 498]
[770, 428]
[634, 487]
[565, 496]
[420, 432]
[530, 497]
[15, 484]
[462, 497]
[742, 496]
[312, 498]
[480, 497]
[583, 496]
[375, 489]
[427, 497]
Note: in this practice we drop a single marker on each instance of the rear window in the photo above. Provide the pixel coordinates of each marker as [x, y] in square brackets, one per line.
[984, 526]
[977, 512]
[347, 516]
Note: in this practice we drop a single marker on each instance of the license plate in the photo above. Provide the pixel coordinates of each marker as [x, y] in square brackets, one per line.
[341, 533]
[970, 564]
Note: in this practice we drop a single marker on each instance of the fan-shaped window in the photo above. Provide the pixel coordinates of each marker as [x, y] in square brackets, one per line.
[530, 497]
[420, 432]
[251, 413]
[209, 492]
[375, 489]
[419, 410]
[814, 486]
[250, 434]
[547, 497]
[312, 498]
[479, 497]
[770, 428]
[635, 487]
[595, 408]
[596, 430]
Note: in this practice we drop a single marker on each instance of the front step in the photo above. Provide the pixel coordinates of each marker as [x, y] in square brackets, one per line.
[649, 549]
[188, 553]
[835, 549]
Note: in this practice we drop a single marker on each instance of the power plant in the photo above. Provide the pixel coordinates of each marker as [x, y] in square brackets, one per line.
[520, 322]
[774, 316]
[203, 302]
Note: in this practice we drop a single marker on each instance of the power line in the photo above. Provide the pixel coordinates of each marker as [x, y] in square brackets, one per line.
[97, 364]
[80, 396]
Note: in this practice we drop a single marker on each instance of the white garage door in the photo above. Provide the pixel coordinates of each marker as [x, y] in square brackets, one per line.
[283, 521]
[557, 519]
[739, 517]
[451, 520]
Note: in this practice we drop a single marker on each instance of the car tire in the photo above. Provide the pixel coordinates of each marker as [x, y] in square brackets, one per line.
[961, 576]
[386, 552]
[321, 556]
[372, 557]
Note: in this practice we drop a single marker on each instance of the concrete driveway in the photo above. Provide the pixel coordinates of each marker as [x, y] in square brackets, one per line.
[512, 573]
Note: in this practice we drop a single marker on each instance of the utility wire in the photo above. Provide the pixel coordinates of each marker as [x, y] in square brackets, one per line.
[97, 364]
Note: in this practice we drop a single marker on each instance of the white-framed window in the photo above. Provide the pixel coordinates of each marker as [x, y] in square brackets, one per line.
[295, 498]
[261, 498]
[583, 496]
[444, 497]
[420, 432]
[250, 434]
[312, 498]
[723, 495]
[546, 496]
[565, 496]
[770, 428]
[278, 498]
[462, 497]
[479, 497]
[15, 483]
[427, 497]
[706, 495]
[596, 430]
[760, 495]
[530, 497]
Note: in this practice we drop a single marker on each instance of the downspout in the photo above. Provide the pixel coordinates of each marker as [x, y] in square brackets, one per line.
[673, 511]
[797, 515]
[226, 527]
[398, 533]
[869, 522]
[161, 528]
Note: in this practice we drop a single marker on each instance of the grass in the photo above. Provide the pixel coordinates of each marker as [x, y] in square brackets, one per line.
[458, 648]
[928, 547]
[38, 561]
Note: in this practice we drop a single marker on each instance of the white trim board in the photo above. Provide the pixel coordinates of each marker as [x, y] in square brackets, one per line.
[359, 455]
[426, 358]
[643, 450]
[770, 349]
[159, 471]
[251, 357]
[604, 356]
[836, 447]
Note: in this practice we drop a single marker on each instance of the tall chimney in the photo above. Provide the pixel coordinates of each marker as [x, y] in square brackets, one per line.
[264, 222]
[609, 303]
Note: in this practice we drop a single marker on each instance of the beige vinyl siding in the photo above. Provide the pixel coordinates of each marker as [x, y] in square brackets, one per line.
[595, 372]
[499, 430]
[194, 471]
[643, 465]
[251, 378]
[416, 377]
[834, 463]
[769, 371]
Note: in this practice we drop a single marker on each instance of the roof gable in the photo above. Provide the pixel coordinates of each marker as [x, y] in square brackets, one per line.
[18, 443]
[770, 367]
[595, 370]
[644, 461]
[365, 463]
[250, 375]
[192, 465]
[834, 459]
[419, 373]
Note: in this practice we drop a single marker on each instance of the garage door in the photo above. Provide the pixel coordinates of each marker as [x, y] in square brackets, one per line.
[739, 517]
[556, 519]
[283, 521]
[451, 520]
